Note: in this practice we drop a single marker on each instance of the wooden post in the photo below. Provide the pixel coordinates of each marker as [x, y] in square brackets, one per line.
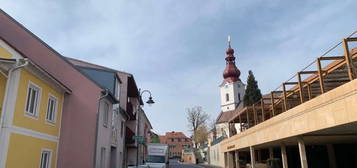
[255, 115]
[321, 78]
[302, 152]
[284, 98]
[272, 104]
[284, 157]
[300, 88]
[248, 118]
[240, 124]
[349, 62]
[262, 105]
[309, 91]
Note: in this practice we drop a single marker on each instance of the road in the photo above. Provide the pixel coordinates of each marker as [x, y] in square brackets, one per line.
[176, 164]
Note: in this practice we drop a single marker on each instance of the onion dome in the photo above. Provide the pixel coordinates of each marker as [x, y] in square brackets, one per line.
[231, 72]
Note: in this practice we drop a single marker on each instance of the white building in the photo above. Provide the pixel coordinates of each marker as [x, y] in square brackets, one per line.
[232, 92]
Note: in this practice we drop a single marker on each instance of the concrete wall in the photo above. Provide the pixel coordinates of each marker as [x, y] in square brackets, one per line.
[336, 107]
[104, 134]
[216, 155]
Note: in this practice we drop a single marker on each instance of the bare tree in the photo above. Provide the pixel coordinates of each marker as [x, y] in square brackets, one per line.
[197, 118]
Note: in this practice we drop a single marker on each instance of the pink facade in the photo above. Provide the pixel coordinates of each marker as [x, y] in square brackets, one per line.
[78, 132]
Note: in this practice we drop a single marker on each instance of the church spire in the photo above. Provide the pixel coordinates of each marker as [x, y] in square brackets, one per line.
[231, 72]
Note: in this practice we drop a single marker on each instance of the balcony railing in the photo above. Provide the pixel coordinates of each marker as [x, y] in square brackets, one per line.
[312, 81]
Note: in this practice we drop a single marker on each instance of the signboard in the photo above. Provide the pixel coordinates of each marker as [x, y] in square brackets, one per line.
[138, 137]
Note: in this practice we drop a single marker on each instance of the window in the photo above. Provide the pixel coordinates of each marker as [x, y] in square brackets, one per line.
[179, 140]
[33, 98]
[51, 109]
[172, 140]
[239, 96]
[45, 159]
[227, 97]
[106, 114]
[102, 157]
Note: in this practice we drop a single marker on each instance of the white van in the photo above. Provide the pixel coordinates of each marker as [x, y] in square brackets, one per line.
[158, 156]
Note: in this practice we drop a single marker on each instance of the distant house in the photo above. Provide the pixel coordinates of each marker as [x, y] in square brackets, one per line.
[177, 141]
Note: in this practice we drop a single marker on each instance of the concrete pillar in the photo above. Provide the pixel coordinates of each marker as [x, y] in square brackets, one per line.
[252, 157]
[302, 152]
[230, 159]
[331, 156]
[284, 157]
[225, 155]
[271, 153]
[237, 159]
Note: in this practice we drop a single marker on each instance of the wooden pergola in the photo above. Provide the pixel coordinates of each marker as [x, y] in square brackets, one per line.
[308, 84]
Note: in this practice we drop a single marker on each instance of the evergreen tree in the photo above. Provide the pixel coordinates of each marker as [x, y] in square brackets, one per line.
[252, 92]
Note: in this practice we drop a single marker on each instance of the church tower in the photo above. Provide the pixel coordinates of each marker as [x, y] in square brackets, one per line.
[232, 88]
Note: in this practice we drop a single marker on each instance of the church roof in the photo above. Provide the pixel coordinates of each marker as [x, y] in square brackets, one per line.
[226, 116]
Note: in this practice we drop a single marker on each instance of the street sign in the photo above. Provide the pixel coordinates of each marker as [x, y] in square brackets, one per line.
[138, 137]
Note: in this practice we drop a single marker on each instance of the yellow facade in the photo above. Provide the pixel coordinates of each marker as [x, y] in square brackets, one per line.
[38, 124]
[4, 53]
[28, 136]
[25, 151]
[2, 90]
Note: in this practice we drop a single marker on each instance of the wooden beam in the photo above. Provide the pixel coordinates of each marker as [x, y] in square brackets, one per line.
[348, 60]
[308, 72]
[272, 104]
[321, 78]
[262, 105]
[290, 83]
[351, 39]
[332, 58]
[300, 88]
[284, 98]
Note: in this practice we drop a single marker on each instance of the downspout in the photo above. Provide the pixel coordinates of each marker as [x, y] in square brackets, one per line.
[97, 126]
[13, 69]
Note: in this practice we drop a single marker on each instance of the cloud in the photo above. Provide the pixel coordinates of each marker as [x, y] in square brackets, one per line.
[176, 49]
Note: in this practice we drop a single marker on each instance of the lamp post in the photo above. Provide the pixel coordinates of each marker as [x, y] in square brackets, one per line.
[149, 101]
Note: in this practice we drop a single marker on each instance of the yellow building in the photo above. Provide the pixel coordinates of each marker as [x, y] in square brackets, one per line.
[31, 110]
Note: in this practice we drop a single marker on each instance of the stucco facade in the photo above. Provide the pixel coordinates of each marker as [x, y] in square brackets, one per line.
[78, 131]
[31, 112]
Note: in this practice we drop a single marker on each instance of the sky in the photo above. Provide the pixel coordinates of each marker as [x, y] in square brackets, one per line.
[176, 48]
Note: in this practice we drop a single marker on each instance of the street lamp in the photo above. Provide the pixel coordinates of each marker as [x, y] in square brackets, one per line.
[150, 102]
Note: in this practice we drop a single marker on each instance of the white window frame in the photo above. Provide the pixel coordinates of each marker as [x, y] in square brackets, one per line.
[106, 114]
[49, 151]
[38, 102]
[55, 99]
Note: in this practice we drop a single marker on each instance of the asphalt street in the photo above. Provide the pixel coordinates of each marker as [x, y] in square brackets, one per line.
[176, 164]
